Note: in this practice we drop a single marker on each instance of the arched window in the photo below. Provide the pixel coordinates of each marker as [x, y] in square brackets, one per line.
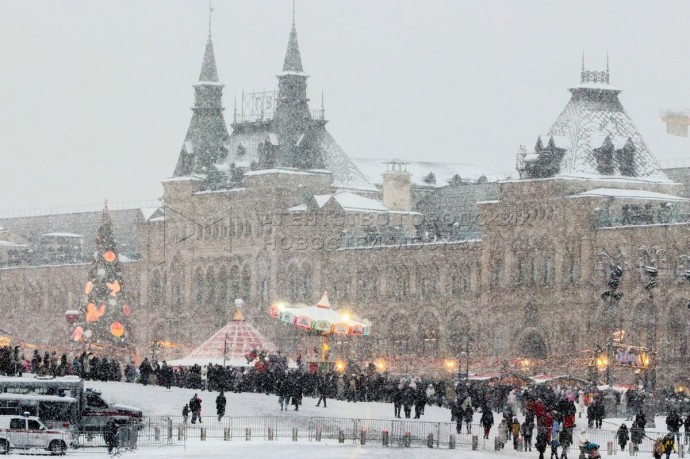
[307, 289]
[398, 282]
[428, 281]
[198, 287]
[457, 332]
[459, 280]
[211, 287]
[428, 335]
[222, 286]
[234, 283]
[155, 289]
[368, 283]
[293, 282]
[678, 331]
[533, 346]
[246, 284]
[399, 335]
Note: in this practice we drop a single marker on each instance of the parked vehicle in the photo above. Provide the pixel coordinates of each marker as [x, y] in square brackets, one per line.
[28, 432]
[62, 402]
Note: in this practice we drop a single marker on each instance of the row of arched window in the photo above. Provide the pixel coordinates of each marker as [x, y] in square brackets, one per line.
[213, 288]
[396, 282]
[220, 230]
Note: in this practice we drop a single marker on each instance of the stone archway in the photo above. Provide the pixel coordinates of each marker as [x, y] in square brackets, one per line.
[532, 345]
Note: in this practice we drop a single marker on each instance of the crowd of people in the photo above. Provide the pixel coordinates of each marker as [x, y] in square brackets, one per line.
[549, 414]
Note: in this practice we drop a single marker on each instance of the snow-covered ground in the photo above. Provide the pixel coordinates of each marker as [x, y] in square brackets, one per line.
[158, 401]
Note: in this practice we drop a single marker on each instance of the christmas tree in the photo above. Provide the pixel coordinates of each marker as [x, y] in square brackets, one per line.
[104, 312]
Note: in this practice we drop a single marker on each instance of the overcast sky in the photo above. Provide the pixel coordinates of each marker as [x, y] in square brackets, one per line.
[95, 96]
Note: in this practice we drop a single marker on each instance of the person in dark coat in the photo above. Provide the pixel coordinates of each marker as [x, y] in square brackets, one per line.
[220, 405]
[185, 413]
[322, 388]
[487, 420]
[420, 400]
[195, 408]
[296, 391]
[110, 435]
[457, 414]
[145, 370]
[542, 441]
[467, 415]
[397, 399]
[408, 399]
[166, 375]
[283, 392]
[636, 435]
[526, 430]
[622, 435]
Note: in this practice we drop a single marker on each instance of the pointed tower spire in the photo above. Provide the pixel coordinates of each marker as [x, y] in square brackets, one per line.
[208, 66]
[293, 59]
[207, 134]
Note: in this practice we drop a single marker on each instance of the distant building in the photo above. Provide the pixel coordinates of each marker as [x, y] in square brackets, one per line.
[431, 253]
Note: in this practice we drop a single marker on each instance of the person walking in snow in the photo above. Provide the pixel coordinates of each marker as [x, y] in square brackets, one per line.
[220, 405]
[503, 433]
[622, 436]
[468, 414]
[195, 408]
[185, 413]
[526, 430]
[487, 420]
[515, 431]
[322, 388]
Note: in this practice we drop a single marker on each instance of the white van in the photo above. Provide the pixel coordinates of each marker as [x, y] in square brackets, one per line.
[28, 432]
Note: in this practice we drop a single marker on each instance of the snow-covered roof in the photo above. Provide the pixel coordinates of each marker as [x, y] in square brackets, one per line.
[148, 212]
[346, 175]
[593, 113]
[620, 193]
[444, 172]
[10, 244]
[38, 398]
[354, 202]
[63, 235]
[282, 170]
[184, 178]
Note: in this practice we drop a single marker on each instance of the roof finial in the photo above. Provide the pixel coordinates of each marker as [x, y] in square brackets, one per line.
[234, 114]
[607, 62]
[583, 60]
[211, 9]
[293, 13]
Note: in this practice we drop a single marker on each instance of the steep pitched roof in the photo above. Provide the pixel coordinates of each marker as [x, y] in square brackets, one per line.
[346, 174]
[209, 73]
[593, 115]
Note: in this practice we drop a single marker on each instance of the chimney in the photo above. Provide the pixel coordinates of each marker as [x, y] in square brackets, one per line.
[396, 186]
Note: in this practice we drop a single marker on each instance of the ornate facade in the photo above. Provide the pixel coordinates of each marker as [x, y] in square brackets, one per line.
[276, 211]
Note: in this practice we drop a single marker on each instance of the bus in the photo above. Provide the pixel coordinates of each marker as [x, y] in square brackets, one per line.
[56, 412]
[68, 402]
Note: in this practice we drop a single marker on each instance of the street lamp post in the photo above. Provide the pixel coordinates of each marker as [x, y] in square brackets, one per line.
[467, 357]
[612, 297]
[650, 261]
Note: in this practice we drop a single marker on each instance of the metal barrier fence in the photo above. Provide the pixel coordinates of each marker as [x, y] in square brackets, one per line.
[173, 430]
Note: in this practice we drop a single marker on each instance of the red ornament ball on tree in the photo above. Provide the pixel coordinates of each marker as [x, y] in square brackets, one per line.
[109, 256]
